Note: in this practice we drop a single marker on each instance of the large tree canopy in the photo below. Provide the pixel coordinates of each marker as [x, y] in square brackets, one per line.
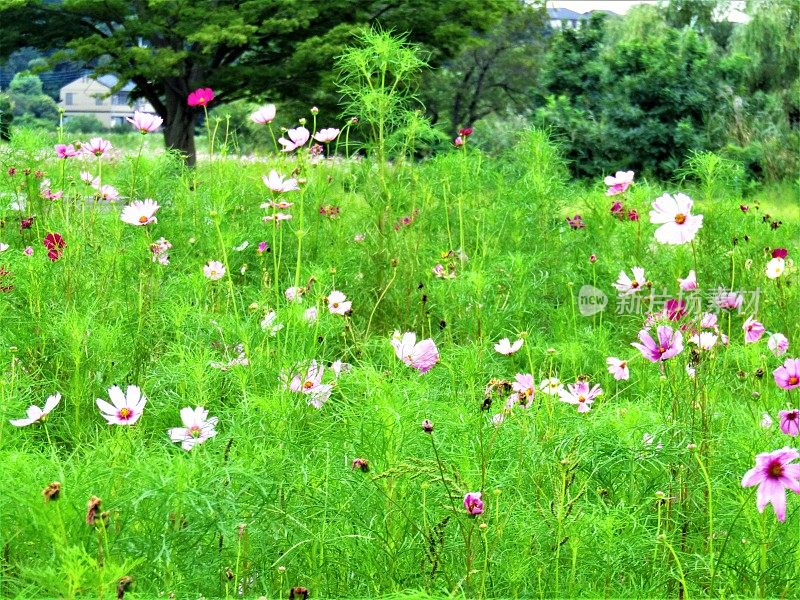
[241, 48]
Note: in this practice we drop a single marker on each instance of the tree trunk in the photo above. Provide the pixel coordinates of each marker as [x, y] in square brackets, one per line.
[179, 124]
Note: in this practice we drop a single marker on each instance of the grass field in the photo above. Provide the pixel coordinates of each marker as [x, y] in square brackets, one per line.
[331, 482]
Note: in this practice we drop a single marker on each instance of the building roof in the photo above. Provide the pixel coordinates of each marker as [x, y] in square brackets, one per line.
[564, 14]
[111, 80]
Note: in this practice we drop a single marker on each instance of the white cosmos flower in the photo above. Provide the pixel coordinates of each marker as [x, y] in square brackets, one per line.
[140, 212]
[38, 414]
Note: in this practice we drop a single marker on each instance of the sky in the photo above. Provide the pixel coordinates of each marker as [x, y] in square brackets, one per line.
[618, 6]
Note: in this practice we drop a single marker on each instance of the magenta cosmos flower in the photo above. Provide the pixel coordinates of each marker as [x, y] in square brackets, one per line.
[618, 368]
[338, 304]
[581, 395]
[200, 97]
[618, 183]
[145, 122]
[505, 346]
[54, 244]
[473, 504]
[670, 343]
[774, 473]
[787, 376]
[419, 355]
[790, 422]
[264, 115]
[678, 225]
[297, 138]
[140, 212]
[753, 330]
[275, 182]
[35, 414]
[125, 409]
[65, 151]
[197, 428]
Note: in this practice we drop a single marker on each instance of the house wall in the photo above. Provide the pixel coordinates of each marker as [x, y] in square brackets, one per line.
[86, 96]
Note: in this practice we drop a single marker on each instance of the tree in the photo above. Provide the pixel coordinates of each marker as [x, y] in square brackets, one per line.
[241, 48]
[28, 98]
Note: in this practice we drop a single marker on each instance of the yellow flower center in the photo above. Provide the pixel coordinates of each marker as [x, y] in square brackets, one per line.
[308, 384]
[775, 469]
[142, 219]
[125, 413]
[680, 218]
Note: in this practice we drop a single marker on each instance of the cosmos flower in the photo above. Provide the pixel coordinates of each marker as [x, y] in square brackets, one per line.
[200, 97]
[551, 386]
[325, 136]
[628, 286]
[790, 422]
[678, 225]
[775, 268]
[705, 340]
[293, 294]
[311, 385]
[753, 330]
[421, 355]
[159, 250]
[728, 300]
[125, 409]
[581, 395]
[690, 283]
[473, 503]
[670, 343]
[197, 428]
[576, 222]
[65, 151]
[708, 320]
[774, 473]
[108, 193]
[96, 146]
[269, 323]
[618, 183]
[618, 368]
[778, 344]
[54, 244]
[264, 115]
[297, 138]
[276, 218]
[275, 182]
[504, 346]
[35, 414]
[524, 389]
[214, 270]
[140, 212]
[145, 122]
[338, 304]
[787, 376]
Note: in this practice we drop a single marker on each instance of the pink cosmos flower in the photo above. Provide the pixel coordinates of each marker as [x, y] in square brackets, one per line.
[297, 138]
[618, 183]
[690, 283]
[140, 212]
[338, 304]
[419, 355]
[790, 422]
[325, 136]
[708, 321]
[35, 414]
[28, 251]
[312, 385]
[473, 503]
[65, 151]
[628, 286]
[504, 346]
[766, 421]
[145, 122]
[633, 215]
[275, 182]
[197, 428]
[279, 204]
[293, 294]
[160, 249]
[442, 273]
[778, 344]
[311, 314]
[97, 146]
[753, 330]
[728, 300]
[125, 409]
[670, 343]
[264, 115]
[580, 394]
[618, 368]
[787, 376]
[108, 193]
[277, 218]
[87, 177]
[458, 141]
[774, 473]
[200, 97]
[214, 270]
[678, 225]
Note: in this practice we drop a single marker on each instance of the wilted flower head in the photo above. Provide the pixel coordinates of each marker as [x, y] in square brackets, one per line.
[264, 115]
[125, 408]
[774, 473]
[421, 355]
[140, 212]
[678, 225]
[576, 222]
[159, 249]
[145, 122]
[35, 414]
[197, 428]
[200, 97]
[618, 183]
[297, 138]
